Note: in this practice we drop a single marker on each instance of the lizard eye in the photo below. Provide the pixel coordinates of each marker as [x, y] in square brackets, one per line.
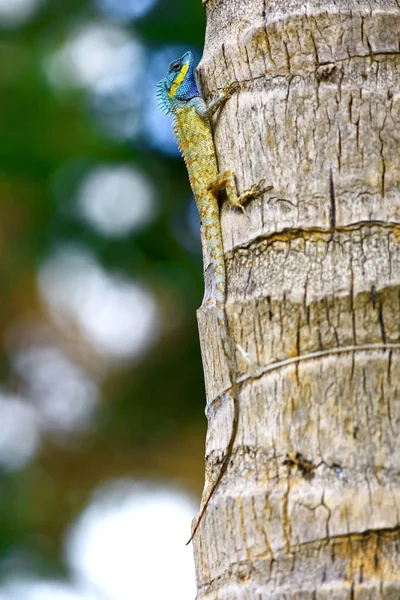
[175, 66]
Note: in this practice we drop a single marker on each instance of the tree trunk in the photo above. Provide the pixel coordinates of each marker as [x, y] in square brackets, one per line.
[309, 506]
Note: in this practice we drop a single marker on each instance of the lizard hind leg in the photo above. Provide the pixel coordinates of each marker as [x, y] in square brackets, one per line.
[226, 181]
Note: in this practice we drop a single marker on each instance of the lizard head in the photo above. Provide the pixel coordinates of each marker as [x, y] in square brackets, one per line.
[179, 85]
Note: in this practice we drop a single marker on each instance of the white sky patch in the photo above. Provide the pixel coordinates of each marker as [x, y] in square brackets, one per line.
[130, 543]
[116, 200]
[16, 12]
[25, 589]
[63, 393]
[93, 56]
[118, 316]
[19, 432]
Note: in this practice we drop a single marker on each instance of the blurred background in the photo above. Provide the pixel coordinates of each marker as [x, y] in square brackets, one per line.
[102, 421]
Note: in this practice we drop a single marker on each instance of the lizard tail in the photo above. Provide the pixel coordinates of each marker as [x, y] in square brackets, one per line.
[224, 466]
[228, 350]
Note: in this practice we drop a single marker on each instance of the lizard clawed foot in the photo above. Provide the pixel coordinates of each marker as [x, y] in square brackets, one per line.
[255, 190]
[258, 188]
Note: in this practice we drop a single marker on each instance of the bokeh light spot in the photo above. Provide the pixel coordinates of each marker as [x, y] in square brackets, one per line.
[16, 12]
[93, 54]
[127, 534]
[116, 200]
[19, 432]
[110, 64]
[63, 393]
[25, 589]
[119, 317]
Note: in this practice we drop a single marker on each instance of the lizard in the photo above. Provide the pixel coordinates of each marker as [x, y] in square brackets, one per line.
[179, 95]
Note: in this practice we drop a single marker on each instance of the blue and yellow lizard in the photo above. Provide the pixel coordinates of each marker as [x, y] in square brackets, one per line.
[179, 95]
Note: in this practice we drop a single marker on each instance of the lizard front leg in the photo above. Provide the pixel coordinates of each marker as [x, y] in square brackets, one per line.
[206, 112]
[226, 181]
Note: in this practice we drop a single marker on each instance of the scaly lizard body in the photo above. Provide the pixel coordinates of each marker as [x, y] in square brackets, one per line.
[179, 95]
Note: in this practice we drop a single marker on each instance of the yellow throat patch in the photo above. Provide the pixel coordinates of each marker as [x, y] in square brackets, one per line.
[179, 78]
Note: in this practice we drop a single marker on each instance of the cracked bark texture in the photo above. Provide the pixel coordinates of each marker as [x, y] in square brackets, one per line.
[309, 506]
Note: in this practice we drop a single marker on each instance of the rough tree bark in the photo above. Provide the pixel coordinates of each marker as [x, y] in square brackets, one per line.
[309, 507]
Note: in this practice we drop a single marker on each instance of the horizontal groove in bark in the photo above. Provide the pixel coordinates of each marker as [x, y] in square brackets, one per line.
[368, 553]
[306, 266]
[309, 297]
[346, 591]
[273, 577]
[274, 580]
[290, 409]
[290, 234]
[298, 484]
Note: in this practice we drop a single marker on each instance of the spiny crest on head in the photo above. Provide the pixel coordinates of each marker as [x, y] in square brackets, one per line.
[162, 98]
[179, 85]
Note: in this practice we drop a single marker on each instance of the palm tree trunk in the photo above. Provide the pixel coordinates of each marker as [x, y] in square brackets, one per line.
[309, 506]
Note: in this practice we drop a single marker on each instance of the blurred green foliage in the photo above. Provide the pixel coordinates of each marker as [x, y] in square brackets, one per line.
[150, 422]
